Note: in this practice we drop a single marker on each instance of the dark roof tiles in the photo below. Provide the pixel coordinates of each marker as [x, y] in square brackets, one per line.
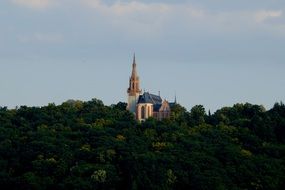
[149, 98]
[156, 107]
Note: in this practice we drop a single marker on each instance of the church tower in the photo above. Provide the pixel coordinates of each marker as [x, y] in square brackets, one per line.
[134, 89]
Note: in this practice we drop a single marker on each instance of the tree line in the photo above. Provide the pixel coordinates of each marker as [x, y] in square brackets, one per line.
[88, 145]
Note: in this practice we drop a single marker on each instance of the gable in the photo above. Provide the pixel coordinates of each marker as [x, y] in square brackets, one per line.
[164, 107]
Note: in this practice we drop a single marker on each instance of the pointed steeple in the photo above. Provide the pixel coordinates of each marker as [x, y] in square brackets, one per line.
[175, 99]
[134, 71]
[134, 60]
[134, 85]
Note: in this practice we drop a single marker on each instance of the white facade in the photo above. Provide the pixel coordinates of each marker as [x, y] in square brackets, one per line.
[144, 111]
[132, 103]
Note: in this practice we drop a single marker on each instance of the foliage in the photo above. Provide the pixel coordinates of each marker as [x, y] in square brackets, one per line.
[87, 145]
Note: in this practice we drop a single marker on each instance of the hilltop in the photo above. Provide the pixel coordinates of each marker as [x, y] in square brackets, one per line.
[87, 145]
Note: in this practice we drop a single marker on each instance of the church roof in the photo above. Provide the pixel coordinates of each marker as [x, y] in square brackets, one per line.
[156, 107]
[149, 98]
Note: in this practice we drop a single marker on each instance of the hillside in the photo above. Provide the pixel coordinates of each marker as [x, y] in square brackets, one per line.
[87, 145]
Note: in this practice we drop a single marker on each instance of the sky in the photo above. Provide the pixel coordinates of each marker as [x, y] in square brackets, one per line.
[210, 52]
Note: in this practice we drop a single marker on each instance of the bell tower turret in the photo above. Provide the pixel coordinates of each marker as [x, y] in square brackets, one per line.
[134, 88]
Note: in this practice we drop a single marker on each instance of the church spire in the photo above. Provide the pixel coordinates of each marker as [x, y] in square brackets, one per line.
[134, 61]
[134, 88]
[134, 85]
[134, 71]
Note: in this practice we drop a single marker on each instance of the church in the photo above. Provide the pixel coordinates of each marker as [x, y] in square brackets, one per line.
[145, 105]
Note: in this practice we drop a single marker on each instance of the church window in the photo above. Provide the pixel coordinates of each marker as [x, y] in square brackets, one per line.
[143, 112]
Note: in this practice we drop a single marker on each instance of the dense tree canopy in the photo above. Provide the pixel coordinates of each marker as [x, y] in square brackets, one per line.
[87, 145]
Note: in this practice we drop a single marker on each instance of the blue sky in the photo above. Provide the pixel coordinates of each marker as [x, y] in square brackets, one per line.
[214, 53]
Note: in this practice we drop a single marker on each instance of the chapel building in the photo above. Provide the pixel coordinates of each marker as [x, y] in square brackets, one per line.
[145, 105]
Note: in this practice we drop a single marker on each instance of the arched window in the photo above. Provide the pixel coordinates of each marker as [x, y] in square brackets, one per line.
[133, 85]
[142, 112]
[149, 113]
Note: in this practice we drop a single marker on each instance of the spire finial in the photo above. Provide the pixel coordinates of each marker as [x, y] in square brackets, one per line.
[134, 72]
[134, 61]
[175, 100]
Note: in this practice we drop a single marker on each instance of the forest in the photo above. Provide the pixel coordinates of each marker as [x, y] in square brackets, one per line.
[88, 145]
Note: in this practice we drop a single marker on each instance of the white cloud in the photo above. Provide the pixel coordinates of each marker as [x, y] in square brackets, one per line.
[261, 16]
[41, 38]
[241, 20]
[145, 19]
[154, 18]
[34, 4]
[141, 18]
[120, 8]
